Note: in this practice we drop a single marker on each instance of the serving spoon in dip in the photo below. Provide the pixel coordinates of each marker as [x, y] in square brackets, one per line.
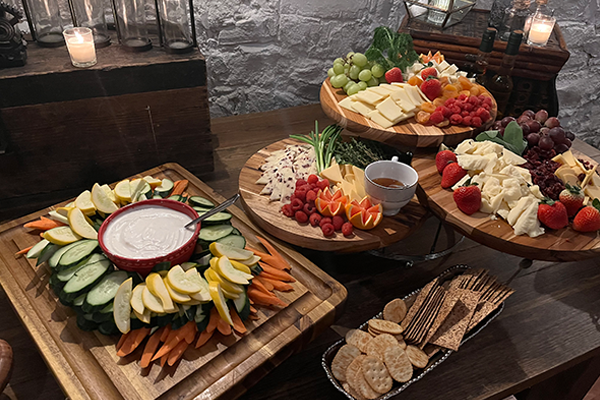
[215, 210]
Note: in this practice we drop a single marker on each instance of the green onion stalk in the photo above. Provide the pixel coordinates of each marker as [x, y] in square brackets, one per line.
[324, 144]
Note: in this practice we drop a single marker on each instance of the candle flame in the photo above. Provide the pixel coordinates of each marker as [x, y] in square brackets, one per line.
[78, 38]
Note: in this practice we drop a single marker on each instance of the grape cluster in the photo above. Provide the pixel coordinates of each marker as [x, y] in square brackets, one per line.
[355, 73]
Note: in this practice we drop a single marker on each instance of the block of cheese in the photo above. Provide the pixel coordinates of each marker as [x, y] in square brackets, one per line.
[588, 176]
[402, 97]
[413, 93]
[443, 65]
[362, 108]
[379, 90]
[332, 173]
[389, 109]
[378, 118]
[347, 103]
[389, 88]
[369, 97]
[592, 191]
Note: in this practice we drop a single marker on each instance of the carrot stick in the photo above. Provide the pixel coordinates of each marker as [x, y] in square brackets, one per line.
[163, 360]
[165, 333]
[266, 257]
[259, 285]
[223, 327]
[253, 310]
[264, 299]
[24, 251]
[268, 285]
[174, 338]
[281, 275]
[274, 252]
[122, 340]
[238, 325]
[212, 322]
[43, 224]
[191, 333]
[179, 187]
[177, 352]
[151, 347]
[203, 338]
[133, 341]
[250, 300]
[253, 317]
[277, 284]
[42, 235]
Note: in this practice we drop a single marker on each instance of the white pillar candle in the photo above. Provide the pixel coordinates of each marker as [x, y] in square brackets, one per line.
[80, 44]
[540, 31]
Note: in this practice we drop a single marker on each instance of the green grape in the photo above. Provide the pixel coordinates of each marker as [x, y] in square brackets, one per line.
[359, 59]
[365, 75]
[354, 71]
[346, 69]
[349, 55]
[353, 89]
[340, 81]
[362, 85]
[348, 85]
[373, 82]
[338, 69]
[377, 71]
[339, 60]
[330, 72]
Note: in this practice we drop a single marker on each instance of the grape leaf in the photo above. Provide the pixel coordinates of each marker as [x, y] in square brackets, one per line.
[512, 140]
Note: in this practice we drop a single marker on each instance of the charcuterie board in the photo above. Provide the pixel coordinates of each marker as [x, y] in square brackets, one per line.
[86, 364]
[554, 245]
[267, 214]
[408, 133]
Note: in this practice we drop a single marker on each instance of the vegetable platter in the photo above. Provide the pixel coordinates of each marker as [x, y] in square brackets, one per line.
[267, 214]
[88, 365]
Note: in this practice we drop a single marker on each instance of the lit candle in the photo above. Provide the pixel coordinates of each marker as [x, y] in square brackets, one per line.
[80, 44]
[541, 29]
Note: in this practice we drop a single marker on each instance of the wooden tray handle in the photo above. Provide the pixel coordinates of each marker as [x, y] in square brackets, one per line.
[6, 361]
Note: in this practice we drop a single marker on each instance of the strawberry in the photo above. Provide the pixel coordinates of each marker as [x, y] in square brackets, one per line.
[429, 72]
[452, 174]
[394, 75]
[588, 218]
[553, 214]
[468, 198]
[432, 88]
[443, 158]
[572, 198]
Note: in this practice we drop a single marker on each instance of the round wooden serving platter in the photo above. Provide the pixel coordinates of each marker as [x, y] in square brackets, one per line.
[562, 245]
[267, 215]
[408, 133]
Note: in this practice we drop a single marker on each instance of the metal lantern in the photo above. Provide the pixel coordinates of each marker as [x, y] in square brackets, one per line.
[45, 22]
[130, 22]
[90, 14]
[440, 13]
[177, 29]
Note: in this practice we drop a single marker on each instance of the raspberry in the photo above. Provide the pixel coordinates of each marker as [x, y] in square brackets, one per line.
[456, 119]
[450, 102]
[311, 195]
[297, 204]
[436, 117]
[324, 221]
[328, 229]
[309, 209]
[468, 107]
[473, 100]
[337, 222]
[476, 122]
[455, 109]
[300, 193]
[312, 178]
[483, 114]
[444, 110]
[486, 106]
[324, 184]
[462, 97]
[301, 216]
[314, 219]
[467, 120]
[487, 100]
[300, 183]
[287, 210]
[481, 98]
[312, 186]
[464, 114]
[347, 229]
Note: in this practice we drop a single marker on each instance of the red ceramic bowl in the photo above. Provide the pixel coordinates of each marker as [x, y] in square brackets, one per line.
[145, 265]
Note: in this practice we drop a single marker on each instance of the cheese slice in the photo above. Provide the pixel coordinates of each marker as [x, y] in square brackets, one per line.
[350, 178]
[569, 158]
[362, 108]
[588, 176]
[389, 109]
[413, 93]
[592, 191]
[379, 90]
[369, 97]
[402, 97]
[400, 84]
[347, 104]
[347, 187]
[425, 98]
[378, 118]
[332, 174]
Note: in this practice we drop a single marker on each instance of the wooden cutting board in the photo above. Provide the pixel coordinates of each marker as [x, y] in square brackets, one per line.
[408, 133]
[86, 365]
[562, 245]
[268, 216]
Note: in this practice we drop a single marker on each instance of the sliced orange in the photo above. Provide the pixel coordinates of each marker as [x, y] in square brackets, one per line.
[364, 215]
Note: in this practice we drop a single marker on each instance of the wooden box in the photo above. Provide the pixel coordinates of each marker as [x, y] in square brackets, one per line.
[63, 128]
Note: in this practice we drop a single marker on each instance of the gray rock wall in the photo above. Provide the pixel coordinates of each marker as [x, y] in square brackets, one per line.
[269, 54]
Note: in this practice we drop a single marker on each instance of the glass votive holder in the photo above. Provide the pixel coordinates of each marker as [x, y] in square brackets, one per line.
[80, 44]
[540, 30]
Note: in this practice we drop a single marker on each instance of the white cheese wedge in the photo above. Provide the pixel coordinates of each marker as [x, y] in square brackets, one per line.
[528, 222]
[400, 84]
[378, 118]
[369, 97]
[519, 208]
[362, 108]
[465, 147]
[346, 103]
[453, 69]
[423, 97]
[402, 98]
[588, 176]
[413, 93]
[569, 158]
[592, 191]
[472, 162]
[443, 65]
[332, 174]
[389, 109]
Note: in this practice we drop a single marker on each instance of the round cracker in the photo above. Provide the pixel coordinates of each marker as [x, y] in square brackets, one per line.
[358, 338]
[417, 357]
[352, 369]
[376, 374]
[352, 392]
[345, 355]
[383, 326]
[378, 344]
[398, 364]
[357, 381]
[395, 311]
[402, 344]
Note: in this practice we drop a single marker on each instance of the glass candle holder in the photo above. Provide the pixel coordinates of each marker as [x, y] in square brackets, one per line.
[177, 32]
[80, 44]
[130, 21]
[540, 30]
[45, 22]
[440, 13]
[91, 14]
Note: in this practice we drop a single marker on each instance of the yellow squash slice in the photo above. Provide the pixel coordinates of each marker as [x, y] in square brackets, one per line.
[250, 261]
[180, 280]
[136, 299]
[80, 225]
[227, 286]
[152, 302]
[101, 200]
[85, 204]
[241, 267]
[234, 253]
[226, 270]
[156, 286]
[61, 235]
[122, 306]
[176, 295]
[123, 192]
[153, 182]
[145, 317]
[217, 297]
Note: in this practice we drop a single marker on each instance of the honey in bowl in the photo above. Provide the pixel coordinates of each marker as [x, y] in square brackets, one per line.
[389, 183]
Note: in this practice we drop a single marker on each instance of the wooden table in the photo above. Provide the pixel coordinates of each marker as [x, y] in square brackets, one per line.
[549, 327]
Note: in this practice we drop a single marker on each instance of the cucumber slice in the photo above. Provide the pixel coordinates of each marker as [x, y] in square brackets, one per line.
[201, 210]
[175, 197]
[218, 218]
[108, 328]
[48, 252]
[37, 249]
[204, 260]
[58, 217]
[233, 241]
[77, 253]
[66, 274]
[165, 188]
[104, 292]
[242, 305]
[122, 310]
[157, 196]
[188, 265]
[215, 232]
[85, 323]
[78, 302]
[236, 232]
[108, 309]
[53, 261]
[101, 317]
[197, 201]
[86, 278]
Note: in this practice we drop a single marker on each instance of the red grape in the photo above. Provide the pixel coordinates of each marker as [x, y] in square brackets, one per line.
[561, 148]
[557, 134]
[507, 120]
[546, 143]
[525, 129]
[541, 116]
[528, 113]
[534, 126]
[552, 122]
[522, 119]
[570, 135]
[533, 139]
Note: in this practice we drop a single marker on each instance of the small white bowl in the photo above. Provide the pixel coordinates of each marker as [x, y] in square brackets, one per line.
[391, 199]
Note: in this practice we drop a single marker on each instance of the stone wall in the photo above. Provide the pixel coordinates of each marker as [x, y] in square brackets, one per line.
[269, 54]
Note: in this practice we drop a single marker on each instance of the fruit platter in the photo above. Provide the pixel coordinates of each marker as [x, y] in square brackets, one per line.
[519, 188]
[176, 317]
[392, 95]
[319, 201]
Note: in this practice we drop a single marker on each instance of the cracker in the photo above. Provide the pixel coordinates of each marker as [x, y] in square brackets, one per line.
[352, 392]
[450, 300]
[417, 357]
[398, 364]
[402, 343]
[378, 345]
[357, 381]
[377, 375]
[421, 328]
[451, 332]
[373, 332]
[345, 355]
[395, 311]
[426, 327]
[423, 294]
[358, 338]
[352, 370]
[383, 326]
